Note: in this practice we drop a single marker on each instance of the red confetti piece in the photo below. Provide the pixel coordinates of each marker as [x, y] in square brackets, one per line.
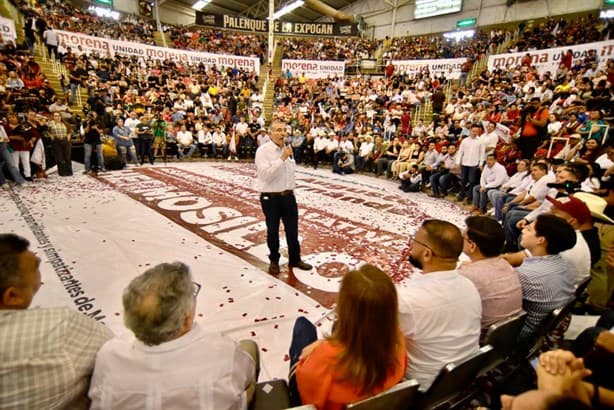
[286, 357]
[264, 349]
[244, 314]
[116, 313]
[253, 333]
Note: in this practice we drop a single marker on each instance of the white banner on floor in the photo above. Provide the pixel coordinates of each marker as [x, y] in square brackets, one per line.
[7, 29]
[450, 67]
[105, 46]
[313, 68]
[549, 59]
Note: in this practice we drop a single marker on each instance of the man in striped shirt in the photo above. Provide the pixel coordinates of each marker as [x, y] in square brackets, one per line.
[46, 355]
[547, 280]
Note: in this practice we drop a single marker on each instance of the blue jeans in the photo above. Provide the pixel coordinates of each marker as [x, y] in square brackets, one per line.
[73, 92]
[87, 149]
[7, 158]
[498, 199]
[509, 227]
[122, 151]
[441, 182]
[191, 149]
[470, 177]
[303, 334]
[480, 198]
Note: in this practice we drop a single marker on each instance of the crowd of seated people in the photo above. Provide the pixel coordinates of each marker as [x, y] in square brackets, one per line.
[64, 16]
[206, 103]
[438, 46]
[86, 366]
[369, 120]
[218, 41]
[351, 50]
[560, 32]
[511, 143]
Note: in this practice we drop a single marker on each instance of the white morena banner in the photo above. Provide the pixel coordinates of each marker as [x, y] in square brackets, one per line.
[450, 67]
[7, 29]
[105, 46]
[549, 59]
[314, 69]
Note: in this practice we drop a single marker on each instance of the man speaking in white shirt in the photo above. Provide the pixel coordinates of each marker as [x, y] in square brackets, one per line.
[275, 168]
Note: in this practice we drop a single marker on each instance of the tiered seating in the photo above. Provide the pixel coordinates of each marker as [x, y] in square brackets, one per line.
[432, 47]
[560, 32]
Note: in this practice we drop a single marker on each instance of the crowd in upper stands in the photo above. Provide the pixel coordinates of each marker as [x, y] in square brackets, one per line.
[218, 41]
[350, 50]
[560, 32]
[65, 16]
[438, 46]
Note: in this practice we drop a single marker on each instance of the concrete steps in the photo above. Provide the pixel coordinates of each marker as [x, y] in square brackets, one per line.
[269, 89]
[160, 38]
[53, 71]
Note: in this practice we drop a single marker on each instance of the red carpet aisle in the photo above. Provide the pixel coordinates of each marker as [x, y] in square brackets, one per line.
[94, 236]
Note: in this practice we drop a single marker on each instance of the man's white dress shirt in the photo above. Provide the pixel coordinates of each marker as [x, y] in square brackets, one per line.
[272, 173]
[199, 370]
[440, 315]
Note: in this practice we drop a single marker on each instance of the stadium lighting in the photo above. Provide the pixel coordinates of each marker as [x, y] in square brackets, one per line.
[104, 12]
[288, 8]
[200, 4]
[459, 35]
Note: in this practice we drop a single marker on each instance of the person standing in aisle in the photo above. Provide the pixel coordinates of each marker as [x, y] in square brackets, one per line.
[275, 180]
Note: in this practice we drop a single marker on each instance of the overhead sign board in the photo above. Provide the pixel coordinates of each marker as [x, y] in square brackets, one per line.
[229, 22]
[466, 23]
[430, 8]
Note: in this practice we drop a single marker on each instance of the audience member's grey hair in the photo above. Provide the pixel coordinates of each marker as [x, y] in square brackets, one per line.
[157, 302]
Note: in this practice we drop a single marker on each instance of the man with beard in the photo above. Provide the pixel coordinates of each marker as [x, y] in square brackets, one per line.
[439, 310]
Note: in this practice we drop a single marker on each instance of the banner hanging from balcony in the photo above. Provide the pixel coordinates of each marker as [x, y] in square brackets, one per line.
[549, 59]
[450, 67]
[313, 69]
[105, 46]
[7, 30]
[229, 22]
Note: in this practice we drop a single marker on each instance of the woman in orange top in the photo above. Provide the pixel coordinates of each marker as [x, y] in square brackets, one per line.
[364, 356]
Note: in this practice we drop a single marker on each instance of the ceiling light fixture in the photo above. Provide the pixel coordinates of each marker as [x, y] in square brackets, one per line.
[200, 4]
[288, 8]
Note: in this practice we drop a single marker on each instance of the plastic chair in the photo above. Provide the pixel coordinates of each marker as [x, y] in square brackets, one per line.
[401, 396]
[451, 384]
[271, 395]
[549, 325]
[503, 336]
[580, 294]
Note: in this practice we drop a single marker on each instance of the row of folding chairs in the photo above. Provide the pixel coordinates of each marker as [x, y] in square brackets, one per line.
[455, 384]
[450, 384]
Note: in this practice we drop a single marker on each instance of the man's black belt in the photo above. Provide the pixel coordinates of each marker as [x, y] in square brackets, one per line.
[282, 193]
